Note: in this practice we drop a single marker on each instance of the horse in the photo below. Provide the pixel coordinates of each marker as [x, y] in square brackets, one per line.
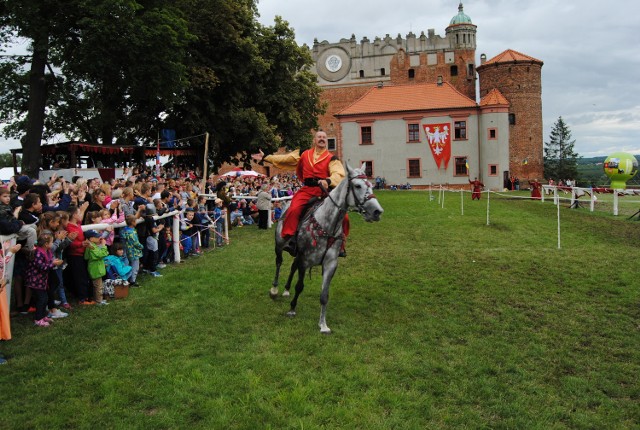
[320, 236]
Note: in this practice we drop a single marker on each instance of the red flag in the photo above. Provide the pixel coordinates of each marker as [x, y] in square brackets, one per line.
[439, 139]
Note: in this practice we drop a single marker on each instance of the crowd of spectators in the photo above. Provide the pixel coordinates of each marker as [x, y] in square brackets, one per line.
[58, 265]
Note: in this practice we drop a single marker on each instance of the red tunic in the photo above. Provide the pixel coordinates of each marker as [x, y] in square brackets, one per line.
[308, 169]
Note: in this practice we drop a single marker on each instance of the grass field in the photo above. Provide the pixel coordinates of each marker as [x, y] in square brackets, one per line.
[439, 321]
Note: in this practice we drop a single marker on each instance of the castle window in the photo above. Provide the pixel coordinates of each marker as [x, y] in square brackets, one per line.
[512, 119]
[464, 38]
[461, 166]
[454, 70]
[457, 39]
[383, 72]
[493, 134]
[366, 135]
[460, 129]
[412, 73]
[413, 168]
[368, 168]
[470, 70]
[362, 73]
[414, 132]
[331, 144]
[493, 170]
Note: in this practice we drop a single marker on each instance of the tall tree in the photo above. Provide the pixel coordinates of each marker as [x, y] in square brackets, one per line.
[560, 160]
[40, 21]
[100, 70]
[249, 84]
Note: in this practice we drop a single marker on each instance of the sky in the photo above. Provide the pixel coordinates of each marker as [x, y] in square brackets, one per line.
[590, 50]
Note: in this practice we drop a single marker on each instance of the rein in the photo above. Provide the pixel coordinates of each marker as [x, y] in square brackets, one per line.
[316, 230]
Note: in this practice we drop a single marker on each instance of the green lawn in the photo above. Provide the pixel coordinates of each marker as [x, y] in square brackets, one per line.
[439, 321]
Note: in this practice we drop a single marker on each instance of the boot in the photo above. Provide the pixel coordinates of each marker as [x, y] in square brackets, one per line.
[343, 251]
[291, 246]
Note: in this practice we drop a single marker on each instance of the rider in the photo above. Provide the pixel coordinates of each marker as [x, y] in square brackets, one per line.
[318, 169]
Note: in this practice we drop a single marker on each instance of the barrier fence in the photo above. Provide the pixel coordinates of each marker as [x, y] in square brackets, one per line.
[240, 197]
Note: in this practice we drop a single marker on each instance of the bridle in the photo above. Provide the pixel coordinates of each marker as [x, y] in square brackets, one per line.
[367, 197]
[351, 190]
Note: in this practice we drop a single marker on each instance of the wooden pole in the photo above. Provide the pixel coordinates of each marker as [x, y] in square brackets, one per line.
[206, 156]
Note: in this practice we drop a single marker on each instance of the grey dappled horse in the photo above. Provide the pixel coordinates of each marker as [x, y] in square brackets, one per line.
[320, 236]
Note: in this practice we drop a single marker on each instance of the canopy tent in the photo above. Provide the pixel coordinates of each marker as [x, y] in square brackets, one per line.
[82, 154]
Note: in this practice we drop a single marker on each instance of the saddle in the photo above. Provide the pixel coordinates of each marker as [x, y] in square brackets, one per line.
[309, 208]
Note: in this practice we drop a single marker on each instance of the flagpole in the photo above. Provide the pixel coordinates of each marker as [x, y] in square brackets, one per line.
[206, 155]
[158, 158]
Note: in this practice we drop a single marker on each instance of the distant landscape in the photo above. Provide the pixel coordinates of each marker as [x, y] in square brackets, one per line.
[591, 172]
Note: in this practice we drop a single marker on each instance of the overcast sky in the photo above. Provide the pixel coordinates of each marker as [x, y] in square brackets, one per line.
[590, 50]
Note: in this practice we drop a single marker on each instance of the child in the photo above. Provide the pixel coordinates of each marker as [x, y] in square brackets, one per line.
[37, 276]
[219, 220]
[133, 248]
[188, 233]
[9, 224]
[277, 211]
[151, 242]
[107, 218]
[51, 221]
[94, 254]
[205, 222]
[75, 254]
[118, 269]
[167, 256]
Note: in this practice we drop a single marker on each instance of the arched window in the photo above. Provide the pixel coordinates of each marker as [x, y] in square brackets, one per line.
[383, 72]
[362, 73]
[454, 70]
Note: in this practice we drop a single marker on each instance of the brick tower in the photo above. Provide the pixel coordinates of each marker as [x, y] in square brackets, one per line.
[518, 77]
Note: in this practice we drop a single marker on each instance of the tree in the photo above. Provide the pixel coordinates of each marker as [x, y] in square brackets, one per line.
[560, 161]
[248, 83]
[6, 160]
[40, 21]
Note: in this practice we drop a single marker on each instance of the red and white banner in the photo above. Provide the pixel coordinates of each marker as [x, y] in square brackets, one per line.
[439, 139]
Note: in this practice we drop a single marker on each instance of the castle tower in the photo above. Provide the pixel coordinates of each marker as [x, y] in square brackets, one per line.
[461, 34]
[518, 77]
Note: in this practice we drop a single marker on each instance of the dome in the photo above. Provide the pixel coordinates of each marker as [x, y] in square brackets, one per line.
[461, 17]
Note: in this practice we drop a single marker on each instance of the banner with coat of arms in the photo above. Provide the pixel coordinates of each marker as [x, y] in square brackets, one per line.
[439, 139]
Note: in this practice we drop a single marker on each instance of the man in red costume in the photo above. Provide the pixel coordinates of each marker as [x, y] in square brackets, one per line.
[535, 189]
[476, 188]
[317, 168]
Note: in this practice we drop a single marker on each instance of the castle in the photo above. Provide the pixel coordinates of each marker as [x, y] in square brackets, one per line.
[408, 108]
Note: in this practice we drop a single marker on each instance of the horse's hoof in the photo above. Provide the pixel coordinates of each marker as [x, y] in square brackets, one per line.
[273, 296]
[327, 331]
[273, 293]
[285, 293]
[291, 314]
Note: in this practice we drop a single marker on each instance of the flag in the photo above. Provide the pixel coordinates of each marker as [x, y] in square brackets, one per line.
[439, 141]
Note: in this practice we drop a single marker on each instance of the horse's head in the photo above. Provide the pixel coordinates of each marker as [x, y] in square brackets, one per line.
[360, 194]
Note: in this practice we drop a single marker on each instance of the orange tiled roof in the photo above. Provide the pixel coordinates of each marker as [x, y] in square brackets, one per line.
[509, 56]
[494, 97]
[404, 98]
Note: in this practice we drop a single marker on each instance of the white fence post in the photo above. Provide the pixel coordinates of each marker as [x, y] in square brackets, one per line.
[175, 232]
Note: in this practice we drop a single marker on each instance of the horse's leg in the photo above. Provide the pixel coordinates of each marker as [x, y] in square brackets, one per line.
[328, 269]
[299, 286]
[274, 289]
[287, 287]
